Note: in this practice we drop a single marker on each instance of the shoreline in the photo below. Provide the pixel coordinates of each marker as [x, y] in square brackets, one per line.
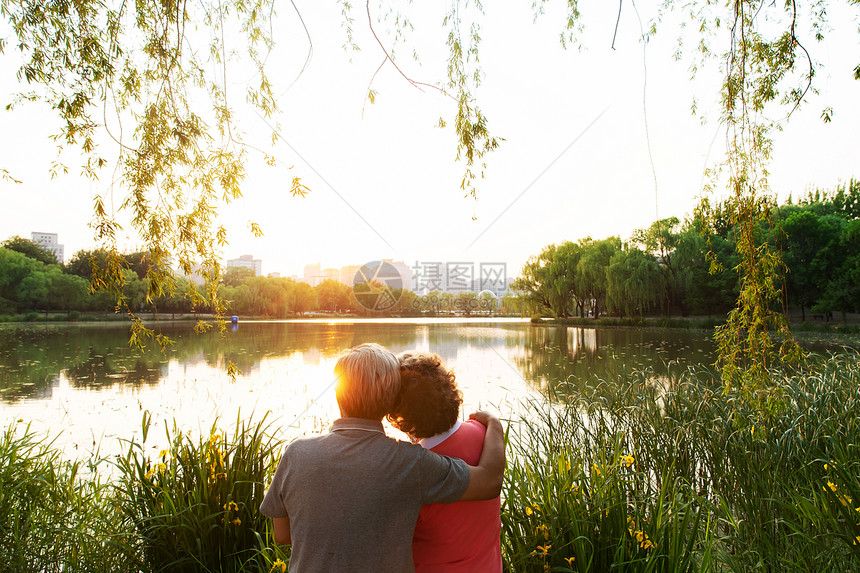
[850, 326]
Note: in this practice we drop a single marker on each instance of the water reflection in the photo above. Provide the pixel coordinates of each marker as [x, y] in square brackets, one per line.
[99, 357]
[550, 356]
[87, 381]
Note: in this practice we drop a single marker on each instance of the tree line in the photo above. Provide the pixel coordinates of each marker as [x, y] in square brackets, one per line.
[670, 268]
[690, 268]
[31, 280]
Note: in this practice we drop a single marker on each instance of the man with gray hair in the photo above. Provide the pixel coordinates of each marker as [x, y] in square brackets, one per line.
[348, 500]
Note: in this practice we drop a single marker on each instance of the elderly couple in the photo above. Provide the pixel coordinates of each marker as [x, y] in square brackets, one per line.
[355, 500]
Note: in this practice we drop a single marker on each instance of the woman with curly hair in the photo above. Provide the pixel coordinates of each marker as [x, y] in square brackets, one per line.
[461, 536]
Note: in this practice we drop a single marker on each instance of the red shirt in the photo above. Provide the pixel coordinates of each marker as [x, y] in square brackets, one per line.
[462, 536]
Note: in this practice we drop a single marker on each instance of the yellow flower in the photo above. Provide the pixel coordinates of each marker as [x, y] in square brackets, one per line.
[627, 460]
[845, 500]
[542, 529]
[642, 540]
[541, 551]
[236, 521]
[570, 561]
[164, 454]
[574, 489]
[595, 469]
[830, 465]
[278, 565]
[157, 468]
[530, 509]
[831, 485]
[231, 506]
[857, 540]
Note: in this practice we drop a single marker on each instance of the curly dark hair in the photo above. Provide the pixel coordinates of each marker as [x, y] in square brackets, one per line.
[429, 400]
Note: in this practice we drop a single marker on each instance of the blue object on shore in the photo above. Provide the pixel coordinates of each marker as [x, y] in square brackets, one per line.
[234, 319]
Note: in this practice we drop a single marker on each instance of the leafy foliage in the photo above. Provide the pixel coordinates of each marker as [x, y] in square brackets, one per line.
[30, 249]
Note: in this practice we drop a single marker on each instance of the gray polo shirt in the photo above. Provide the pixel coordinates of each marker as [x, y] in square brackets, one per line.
[353, 497]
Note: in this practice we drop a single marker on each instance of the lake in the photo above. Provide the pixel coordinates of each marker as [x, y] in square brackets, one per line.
[84, 384]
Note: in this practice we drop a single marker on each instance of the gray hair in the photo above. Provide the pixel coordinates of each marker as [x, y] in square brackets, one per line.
[368, 381]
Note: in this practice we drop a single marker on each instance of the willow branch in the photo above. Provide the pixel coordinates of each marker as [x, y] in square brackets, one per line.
[388, 58]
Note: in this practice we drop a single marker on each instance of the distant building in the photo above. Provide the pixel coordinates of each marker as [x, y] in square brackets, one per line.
[50, 242]
[405, 272]
[248, 262]
[331, 274]
[196, 275]
[347, 274]
[458, 277]
[313, 274]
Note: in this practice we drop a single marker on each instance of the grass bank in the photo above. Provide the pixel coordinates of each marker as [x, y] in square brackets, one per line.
[627, 473]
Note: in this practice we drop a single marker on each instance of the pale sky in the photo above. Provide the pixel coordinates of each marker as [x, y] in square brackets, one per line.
[574, 163]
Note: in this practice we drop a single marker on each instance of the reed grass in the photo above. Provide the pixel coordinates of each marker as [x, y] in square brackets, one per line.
[54, 518]
[714, 484]
[195, 506]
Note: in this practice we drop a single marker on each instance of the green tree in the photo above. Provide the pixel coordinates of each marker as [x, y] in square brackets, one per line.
[548, 280]
[533, 285]
[305, 299]
[30, 249]
[591, 271]
[14, 268]
[332, 296]
[661, 240]
[140, 262]
[842, 290]
[32, 291]
[81, 263]
[703, 287]
[488, 303]
[810, 244]
[235, 276]
[67, 292]
[634, 282]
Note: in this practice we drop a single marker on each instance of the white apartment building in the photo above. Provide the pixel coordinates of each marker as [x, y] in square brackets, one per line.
[50, 242]
[404, 270]
[347, 274]
[248, 262]
[313, 274]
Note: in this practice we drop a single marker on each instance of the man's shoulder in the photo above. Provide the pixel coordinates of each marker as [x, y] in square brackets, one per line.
[306, 443]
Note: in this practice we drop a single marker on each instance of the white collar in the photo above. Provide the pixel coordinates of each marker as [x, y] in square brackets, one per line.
[434, 441]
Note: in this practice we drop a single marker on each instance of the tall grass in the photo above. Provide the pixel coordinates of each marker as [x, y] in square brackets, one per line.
[713, 485]
[195, 507]
[53, 517]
